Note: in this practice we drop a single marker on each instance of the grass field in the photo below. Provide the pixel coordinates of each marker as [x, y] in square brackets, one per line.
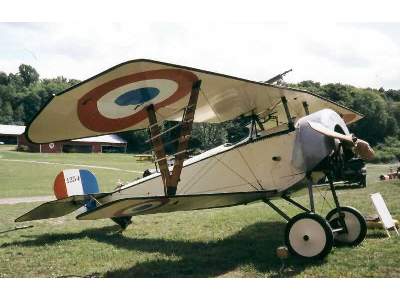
[229, 242]
[32, 174]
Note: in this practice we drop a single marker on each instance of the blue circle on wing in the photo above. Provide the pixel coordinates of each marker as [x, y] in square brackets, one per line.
[137, 96]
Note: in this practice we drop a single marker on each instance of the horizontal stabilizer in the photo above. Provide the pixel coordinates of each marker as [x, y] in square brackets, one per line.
[56, 208]
[162, 204]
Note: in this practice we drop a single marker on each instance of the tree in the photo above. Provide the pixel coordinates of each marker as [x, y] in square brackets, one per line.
[3, 78]
[19, 115]
[393, 95]
[28, 74]
[6, 113]
[374, 126]
[209, 135]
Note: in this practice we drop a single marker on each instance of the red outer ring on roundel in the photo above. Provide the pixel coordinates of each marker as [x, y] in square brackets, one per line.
[91, 118]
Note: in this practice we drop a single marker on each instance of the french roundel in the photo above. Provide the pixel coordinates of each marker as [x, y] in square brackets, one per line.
[120, 103]
[141, 207]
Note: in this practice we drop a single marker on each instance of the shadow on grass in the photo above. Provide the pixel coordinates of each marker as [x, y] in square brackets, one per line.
[377, 234]
[254, 245]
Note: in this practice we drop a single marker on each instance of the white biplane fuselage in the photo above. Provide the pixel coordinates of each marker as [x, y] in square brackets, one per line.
[273, 160]
[250, 165]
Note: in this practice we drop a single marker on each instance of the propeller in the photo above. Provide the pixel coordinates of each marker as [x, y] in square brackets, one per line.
[361, 147]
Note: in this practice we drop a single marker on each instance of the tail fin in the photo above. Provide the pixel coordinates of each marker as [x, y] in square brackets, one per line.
[73, 182]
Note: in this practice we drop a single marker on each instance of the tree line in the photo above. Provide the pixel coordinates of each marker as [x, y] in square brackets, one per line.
[22, 94]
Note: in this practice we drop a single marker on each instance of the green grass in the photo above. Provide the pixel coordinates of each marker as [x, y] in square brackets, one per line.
[229, 242]
[33, 179]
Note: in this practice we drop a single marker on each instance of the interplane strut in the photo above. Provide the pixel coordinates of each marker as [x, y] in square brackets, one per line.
[171, 179]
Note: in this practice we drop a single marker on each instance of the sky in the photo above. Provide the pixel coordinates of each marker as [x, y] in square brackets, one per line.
[360, 54]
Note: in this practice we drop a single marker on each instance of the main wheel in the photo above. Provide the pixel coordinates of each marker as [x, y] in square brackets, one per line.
[355, 223]
[309, 235]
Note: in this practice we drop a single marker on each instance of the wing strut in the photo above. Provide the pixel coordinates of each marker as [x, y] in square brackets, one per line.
[170, 180]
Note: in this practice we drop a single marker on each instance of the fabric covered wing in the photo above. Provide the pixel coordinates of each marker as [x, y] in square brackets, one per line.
[115, 101]
[161, 204]
[56, 208]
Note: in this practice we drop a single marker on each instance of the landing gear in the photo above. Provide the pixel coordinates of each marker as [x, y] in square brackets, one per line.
[123, 222]
[309, 235]
[356, 227]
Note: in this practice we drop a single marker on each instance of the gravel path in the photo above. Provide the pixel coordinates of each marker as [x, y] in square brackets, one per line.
[26, 199]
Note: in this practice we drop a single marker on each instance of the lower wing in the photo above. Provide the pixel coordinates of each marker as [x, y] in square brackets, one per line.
[163, 204]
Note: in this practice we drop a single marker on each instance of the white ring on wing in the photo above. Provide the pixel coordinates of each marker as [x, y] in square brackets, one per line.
[109, 109]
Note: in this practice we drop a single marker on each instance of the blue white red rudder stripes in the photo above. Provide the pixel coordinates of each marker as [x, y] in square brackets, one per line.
[75, 182]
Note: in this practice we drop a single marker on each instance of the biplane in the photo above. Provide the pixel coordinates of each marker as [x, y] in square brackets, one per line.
[295, 139]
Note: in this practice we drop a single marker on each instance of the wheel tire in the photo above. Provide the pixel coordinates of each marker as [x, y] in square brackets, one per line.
[309, 235]
[356, 226]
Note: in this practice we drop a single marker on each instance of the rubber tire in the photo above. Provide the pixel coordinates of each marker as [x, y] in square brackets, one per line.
[324, 226]
[330, 217]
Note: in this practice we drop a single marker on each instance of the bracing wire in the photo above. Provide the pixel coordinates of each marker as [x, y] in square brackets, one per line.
[324, 199]
[236, 173]
[244, 160]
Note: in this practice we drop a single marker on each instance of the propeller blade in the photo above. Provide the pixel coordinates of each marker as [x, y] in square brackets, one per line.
[361, 147]
[364, 150]
[325, 131]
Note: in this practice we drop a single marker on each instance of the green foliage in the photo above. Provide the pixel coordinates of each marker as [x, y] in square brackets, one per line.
[3, 78]
[373, 104]
[23, 94]
[6, 113]
[387, 152]
[28, 74]
[136, 141]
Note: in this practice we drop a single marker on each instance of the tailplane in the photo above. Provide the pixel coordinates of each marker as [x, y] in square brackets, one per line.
[73, 188]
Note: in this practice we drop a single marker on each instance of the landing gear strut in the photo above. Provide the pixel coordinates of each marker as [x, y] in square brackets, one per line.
[309, 235]
[123, 222]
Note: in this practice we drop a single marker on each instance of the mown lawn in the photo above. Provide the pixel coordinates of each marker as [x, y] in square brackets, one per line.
[229, 242]
[21, 175]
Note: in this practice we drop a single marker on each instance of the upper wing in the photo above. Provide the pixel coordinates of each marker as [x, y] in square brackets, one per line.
[115, 101]
[161, 204]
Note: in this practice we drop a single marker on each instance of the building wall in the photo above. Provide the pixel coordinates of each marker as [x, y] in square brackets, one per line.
[51, 148]
[22, 141]
[96, 148]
